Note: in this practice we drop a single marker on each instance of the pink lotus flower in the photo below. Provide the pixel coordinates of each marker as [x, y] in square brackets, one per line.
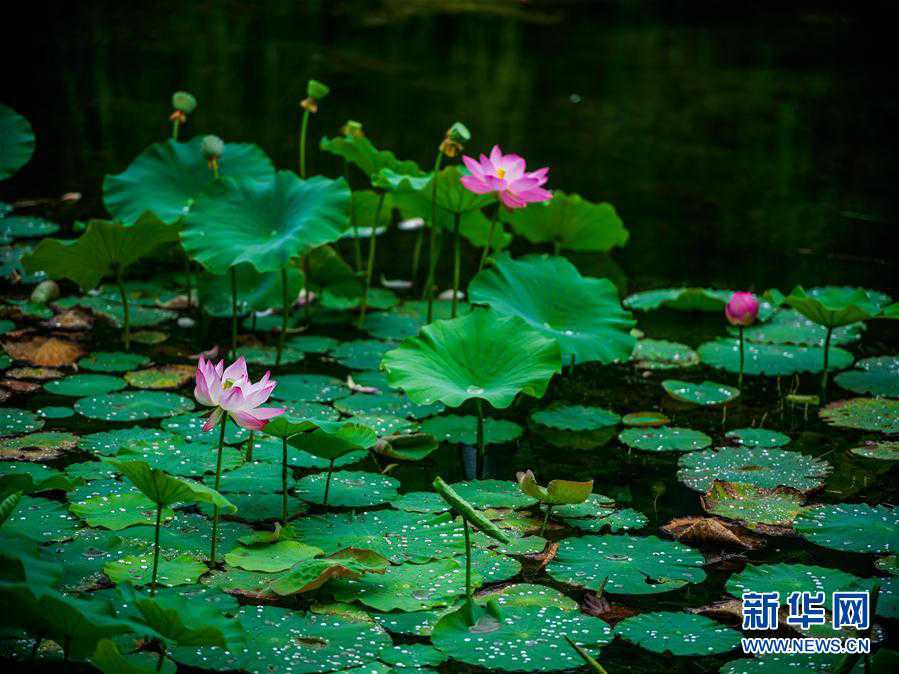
[742, 309]
[229, 390]
[505, 174]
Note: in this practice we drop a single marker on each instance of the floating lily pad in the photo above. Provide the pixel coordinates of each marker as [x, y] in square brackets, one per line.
[867, 414]
[25, 227]
[600, 514]
[312, 343]
[787, 578]
[575, 417]
[104, 361]
[678, 633]
[110, 442]
[177, 456]
[395, 404]
[260, 507]
[757, 437]
[873, 376]
[885, 450]
[133, 406]
[14, 421]
[254, 477]
[41, 519]
[384, 424]
[771, 359]
[405, 656]
[83, 385]
[310, 574]
[309, 388]
[645, 419]
[190, 426]
[781, 664]
[118, 511]
[420, 502]
[56, 412]
[633, 565]
[788, 326]
[657, 354]
[33, 478]
[493, 494]
[463, 429]
[270, 558]
[665, 439]
[349, 489]
[706, 393]
[391, 325]
[764, 467]
[363, 354]
[268, 355]
[680, 299]
[852, 527]
[138, 570]
[40, 446]
[755, 507]
[167, 376]
[310, 411]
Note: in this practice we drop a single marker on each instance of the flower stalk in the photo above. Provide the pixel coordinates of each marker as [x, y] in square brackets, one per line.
[218, 480]
[370, 265]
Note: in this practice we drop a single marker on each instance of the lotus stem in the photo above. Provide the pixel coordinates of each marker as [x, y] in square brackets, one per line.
[218, 481]
[161, 660]
[549, 510]
[125, 309]
[826, 359]
[233, 312]
[469, 602]
[557, 247]
[188, 281]
[370, 266]
[742, 360]
[433, 250]
[457, 262]
[416, 254]
[480, 439]
[357, 247]
[284, 480]
[176, 126]
[285, 308]
[303, 128]
[489, 243]
[307, 303]
[328, 482]
[250, 446]
[156, 550]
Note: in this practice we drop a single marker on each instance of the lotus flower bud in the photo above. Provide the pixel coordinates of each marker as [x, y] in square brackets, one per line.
[184, 102]
[317, 90]
[353, 129]
[456, 135]
[45, 291]
[213, 147]
[742, 309]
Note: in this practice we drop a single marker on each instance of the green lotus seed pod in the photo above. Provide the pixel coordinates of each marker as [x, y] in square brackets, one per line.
[459, 133]
[183, 101]
[45, 291]
[213, 147]
[353, 128]
[317, 90]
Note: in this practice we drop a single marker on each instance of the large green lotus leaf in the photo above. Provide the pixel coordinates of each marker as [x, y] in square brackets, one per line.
[167, 177]
[191, 533]
[258, 508]
[463, 429]
[408, 587]
[103, 248]
[852, 527]
[33, 478]
[164, 489]
[255, 291]
[83, 385]
[14, 421]
[484, 494]
[788, 326]
[398, 536]
[25, 227]
[583, 314]
[255, 477]
[658, 354]
[680, 299]
[393, 404]
[412, 655]
[571, 222]
[575, 417]
[867, 414]
[755, 507]
[138, 570]
[133, 406]
[771, 359]
[190, 427]
[265, 224]
[884, 450]
[310, 388]
[41, 519]
[480, 355]
[757, 437]
[117, 511]
[110, 442]
[349, 489]
[527, 595]
[492, 566]
[678, 633]
[289, 642]
[834, 307]
[665, 439]
[787, 578]
[519, 638]
[875, 376]
[452, 198]
[633, 565]
[310, 574]
[761, 466]
[359, 150]
[706, 393]
[270, 558]
[113, 361]
[16, 142]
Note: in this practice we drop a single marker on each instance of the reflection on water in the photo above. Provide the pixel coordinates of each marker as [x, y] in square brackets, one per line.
[741, 150]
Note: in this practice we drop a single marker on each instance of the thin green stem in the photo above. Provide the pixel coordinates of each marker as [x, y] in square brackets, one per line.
[218, 481]
[742, 360]
[489, 242]
[549, 510]
[176, 126]
[826, 365]
[250, 446]
[161, 660]
[557, 247]
[457, 262]
[416, 254]
[307, 301]
[233, 312]
[156, 550]
[285, 311]
[469, 601]
[125, 309]
[370, 266]
[481, 459]
[357, 246]
[433, 251]
[284, 480]
[328, 482]
[303, 129]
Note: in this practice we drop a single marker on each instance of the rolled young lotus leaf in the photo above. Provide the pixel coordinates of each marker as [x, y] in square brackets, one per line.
[474, 517]
[557, 492]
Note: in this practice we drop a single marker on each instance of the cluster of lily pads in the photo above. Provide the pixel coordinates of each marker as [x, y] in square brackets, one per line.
[137, 536]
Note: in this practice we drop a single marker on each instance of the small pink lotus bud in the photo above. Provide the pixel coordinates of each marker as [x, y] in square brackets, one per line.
[742, 309]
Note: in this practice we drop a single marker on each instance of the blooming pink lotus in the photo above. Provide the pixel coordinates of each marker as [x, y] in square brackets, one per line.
[742, 309]
[229, 390]
[505, 174]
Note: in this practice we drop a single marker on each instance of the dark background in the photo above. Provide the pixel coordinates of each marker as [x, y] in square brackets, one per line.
[744, 147]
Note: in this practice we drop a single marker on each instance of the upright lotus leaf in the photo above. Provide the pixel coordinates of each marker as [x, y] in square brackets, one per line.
[569, 222]
[834, 307]
[16, 142]
[583, 314]
[557, 492]
[167, 177]
[359, 150]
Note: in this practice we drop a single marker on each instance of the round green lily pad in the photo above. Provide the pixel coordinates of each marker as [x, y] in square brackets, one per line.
[787, 578]
[755, 507]
[349, 489]
[771, 359]
[117, 511]
[405, 656]
[270, 558]
[138, 570]
[14, 421]
[268, 355]
[492, 566]
[664, 439]
[309, 388]
[420, 502]
[852, 527]
[493, 494]
[706, 393]
[867, 414]
[461, 429]
[678, 633]
[884, 450]
[391, 325]
[658, 354]
[873, 376]
[394, 404]
[41, 519]
[177, 456]
[530, 595]
[83, 385]
[46, 443]
[757, 437]
[110, 442]
[604, 516]
[363, 354]
[26, 227]
[254, 477]
[257, 508]
[103, 361]
[411, 623]
[384, 424]
[645, 419]
[165, 377]
[633, 565]
[313, 411]
[133, 406]
[761, 466]
[679, 299]
[575, 417]
[190, 427]
[781, 664]
[312, 343]
[55, 412]
[788, 326]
